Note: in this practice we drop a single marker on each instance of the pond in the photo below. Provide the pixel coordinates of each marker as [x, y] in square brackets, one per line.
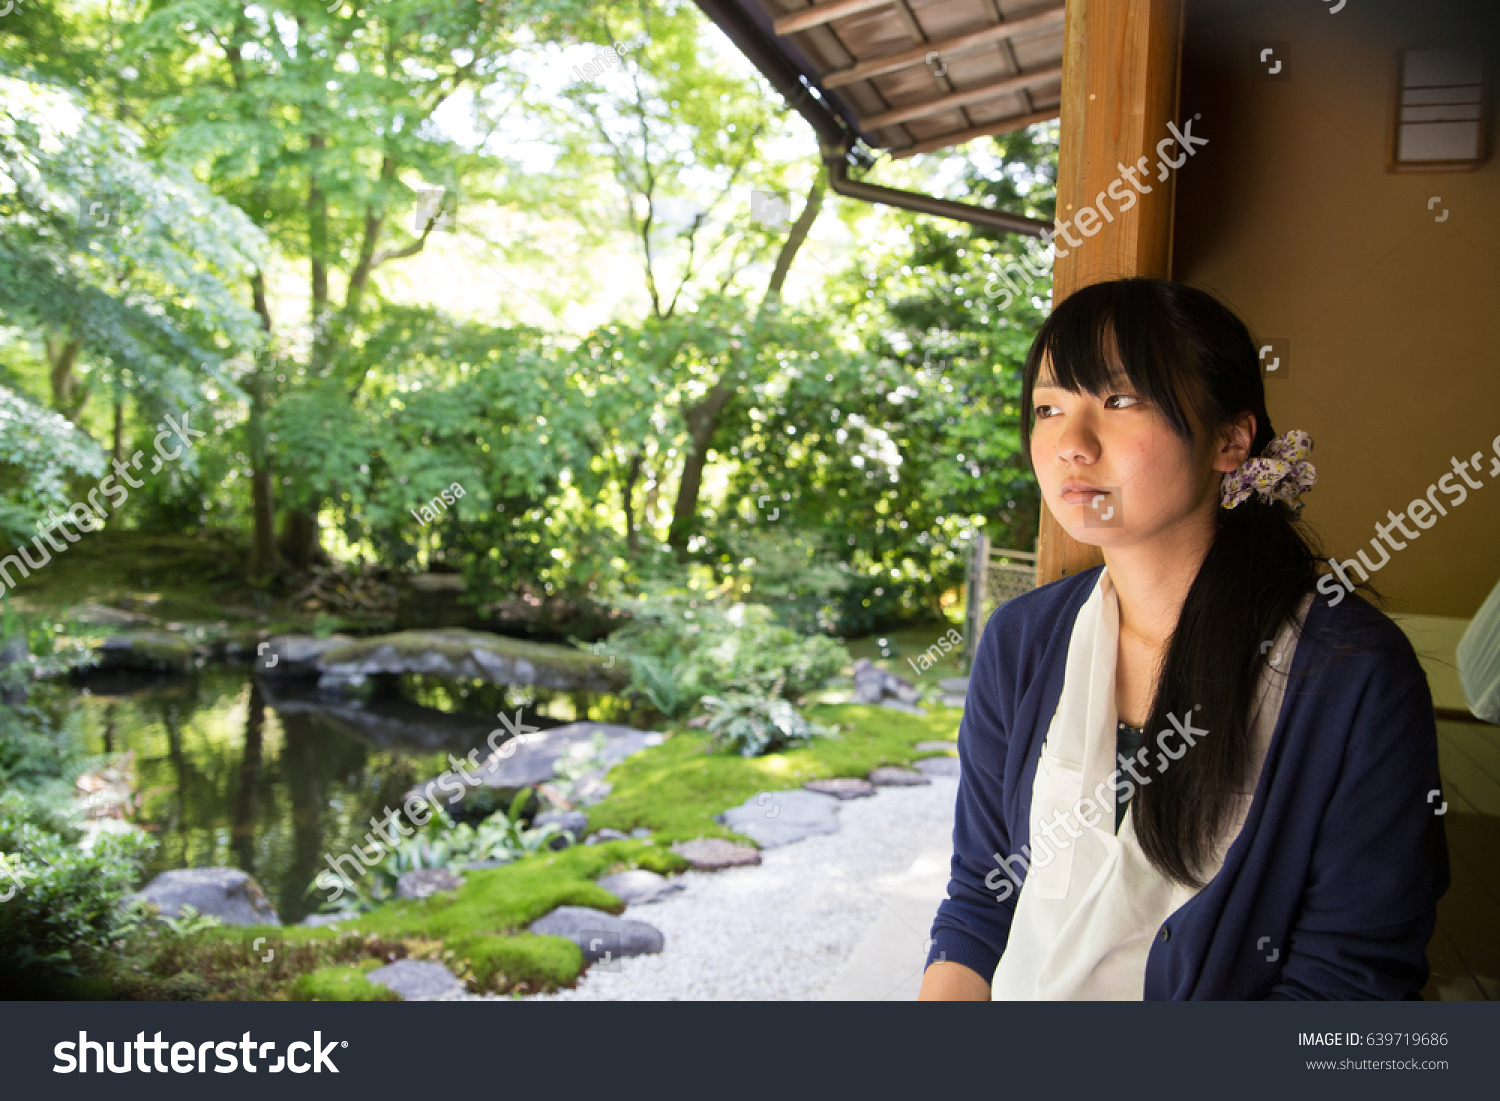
[268, 776]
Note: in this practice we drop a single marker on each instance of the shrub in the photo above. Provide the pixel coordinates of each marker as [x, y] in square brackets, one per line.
[66, 909]
[754, 725]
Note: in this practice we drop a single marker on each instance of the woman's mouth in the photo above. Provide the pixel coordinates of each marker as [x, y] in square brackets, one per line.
[1081, 493]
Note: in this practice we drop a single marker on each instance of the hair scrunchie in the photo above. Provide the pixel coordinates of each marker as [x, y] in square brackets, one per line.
[1281, 473]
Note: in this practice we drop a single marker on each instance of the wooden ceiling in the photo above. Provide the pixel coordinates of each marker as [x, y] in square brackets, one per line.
[921, 75]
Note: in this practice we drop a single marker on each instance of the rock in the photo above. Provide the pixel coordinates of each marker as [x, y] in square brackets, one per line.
[227, 893]
[484, 865]
[872, 684]
[903, 705]
[591, 790]
[954, 684]
[709, 854]
[897, 777]
[606, 834]
[938, 766]
[640, 833]
[293, 655]
[638, 887]
[319, 921]
[423, 882]
[471, 655]
[574, 824]
[146, 652]
[418, 980]
[603, 937]
[937, 747]
[102, 615]
[869, 681]
[843, 787]
[952, 699]
[772, 818]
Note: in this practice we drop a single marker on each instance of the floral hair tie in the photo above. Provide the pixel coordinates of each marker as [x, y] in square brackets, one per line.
[1281, 473]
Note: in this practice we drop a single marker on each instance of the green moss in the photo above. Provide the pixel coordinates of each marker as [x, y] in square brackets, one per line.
[345, 983]
[523, 963]
[677, 788]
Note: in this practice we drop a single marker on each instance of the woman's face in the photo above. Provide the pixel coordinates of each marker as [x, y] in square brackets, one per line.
[1113, 471]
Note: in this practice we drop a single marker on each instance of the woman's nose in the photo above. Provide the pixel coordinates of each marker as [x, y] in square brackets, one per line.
[1078, 443]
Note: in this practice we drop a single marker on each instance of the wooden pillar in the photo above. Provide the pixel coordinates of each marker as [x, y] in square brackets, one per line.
[1119, 91]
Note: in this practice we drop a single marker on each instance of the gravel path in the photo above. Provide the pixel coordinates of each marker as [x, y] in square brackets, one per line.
[784, 929]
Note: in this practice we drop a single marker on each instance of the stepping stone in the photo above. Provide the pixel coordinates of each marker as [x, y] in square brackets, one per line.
[844, 787]
[606, 834]
[424, 882]
[417, 980]
[709, 854]
[938, 766]
[952, 699]
[897, 777]
[902, 705]
[601, 936]
[954, 684]
[773, 818]
[872, 682]
[937, 747]
[639, 886]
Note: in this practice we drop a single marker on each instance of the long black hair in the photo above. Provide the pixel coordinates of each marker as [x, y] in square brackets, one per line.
[1190, 356]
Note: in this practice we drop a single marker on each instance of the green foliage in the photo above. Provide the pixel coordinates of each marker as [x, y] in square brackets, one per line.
[342, 983]
[442, 844]
[189, 923]
[754, 725]
[66, 909]
[40, 454]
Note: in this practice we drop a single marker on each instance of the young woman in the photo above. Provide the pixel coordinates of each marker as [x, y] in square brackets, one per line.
[1185, 774]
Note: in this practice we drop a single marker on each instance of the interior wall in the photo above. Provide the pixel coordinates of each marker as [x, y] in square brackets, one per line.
[1391, 310]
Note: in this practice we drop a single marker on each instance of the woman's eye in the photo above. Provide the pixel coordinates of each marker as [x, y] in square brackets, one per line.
[1045, 411]
[1121, 401]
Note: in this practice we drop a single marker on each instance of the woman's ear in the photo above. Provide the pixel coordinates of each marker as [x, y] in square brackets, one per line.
[1234, 443]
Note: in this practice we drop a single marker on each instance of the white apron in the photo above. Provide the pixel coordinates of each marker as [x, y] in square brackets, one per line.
[1091, 904]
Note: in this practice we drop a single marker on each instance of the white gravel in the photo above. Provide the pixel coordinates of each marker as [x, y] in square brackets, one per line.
[783, 930]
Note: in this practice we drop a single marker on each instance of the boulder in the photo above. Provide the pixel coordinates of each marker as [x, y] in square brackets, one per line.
[534, 761]
[709, 854]
[418, 980]
[938, 766]
[842, 787]
[470, 655]
[897, 777]
[872, 684]
[293, 655]
[603, 937]
[635, 888]
[772, 818]
[146, 652]
[423, 882]
[227, 893]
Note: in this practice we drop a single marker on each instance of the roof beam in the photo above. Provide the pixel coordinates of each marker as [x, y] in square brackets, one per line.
[962, 99]
[989, 129]
[952, 47]
[819, 14]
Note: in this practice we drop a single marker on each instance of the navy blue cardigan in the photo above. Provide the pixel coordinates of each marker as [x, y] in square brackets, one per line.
[1331, 888]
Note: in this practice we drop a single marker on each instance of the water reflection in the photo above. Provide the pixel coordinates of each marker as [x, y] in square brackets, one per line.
[270, 776]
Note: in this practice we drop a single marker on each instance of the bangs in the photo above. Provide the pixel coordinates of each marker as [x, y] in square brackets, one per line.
[1107, 333]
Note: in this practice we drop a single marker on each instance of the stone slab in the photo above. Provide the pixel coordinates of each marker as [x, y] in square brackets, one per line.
[417, 980]
[773, 818]
[896, 777]
[710, 854]
[603, 937]
[842, 787]
[637, 887]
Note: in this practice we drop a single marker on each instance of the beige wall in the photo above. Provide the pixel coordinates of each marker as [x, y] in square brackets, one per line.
[1291, 216]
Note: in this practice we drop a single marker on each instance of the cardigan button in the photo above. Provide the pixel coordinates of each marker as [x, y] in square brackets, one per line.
[1165, 934]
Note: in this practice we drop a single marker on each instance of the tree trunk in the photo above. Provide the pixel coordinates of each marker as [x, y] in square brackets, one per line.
[703, 418]
[118, 452]
[264, 559]
[627, 500]
[300, 547]
[68, 397]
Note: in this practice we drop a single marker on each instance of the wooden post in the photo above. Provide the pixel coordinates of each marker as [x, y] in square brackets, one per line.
[1119, 91]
